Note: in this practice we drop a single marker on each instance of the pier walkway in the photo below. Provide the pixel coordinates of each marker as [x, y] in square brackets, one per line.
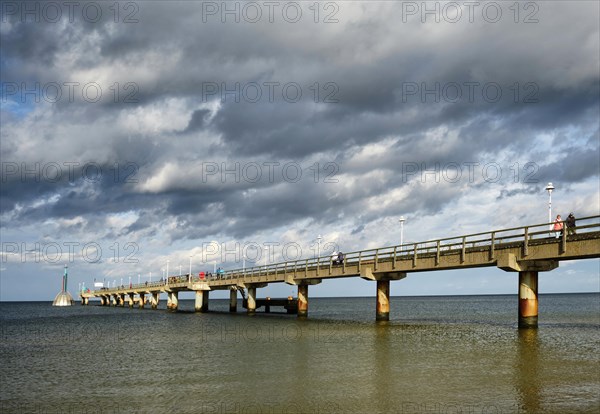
[527, 250]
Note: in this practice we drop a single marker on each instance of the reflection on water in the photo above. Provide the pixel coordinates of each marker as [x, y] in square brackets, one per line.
[436, 355]
[527, 371]
[382, 373]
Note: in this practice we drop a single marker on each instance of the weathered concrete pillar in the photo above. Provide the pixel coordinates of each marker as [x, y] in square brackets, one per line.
[154, 301]
[113, 300]
[302, 300]
[201, 304]
[174, 300]
[142, 301]
[528, 299]
[251, 299]
[122, 299]
[131, 296]
[233, 300]
[383, 300]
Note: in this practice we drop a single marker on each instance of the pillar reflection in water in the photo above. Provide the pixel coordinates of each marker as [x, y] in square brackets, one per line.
[527, 371]
[382, 374]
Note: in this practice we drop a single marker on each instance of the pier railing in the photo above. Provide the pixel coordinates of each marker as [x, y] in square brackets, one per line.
[489, 241]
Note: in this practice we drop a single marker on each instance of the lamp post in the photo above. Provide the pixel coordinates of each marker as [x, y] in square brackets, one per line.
[168, 268]
[244, 262]
[150, 278]
[121, 281]
[266, 248]
[319, 238]
[179, 270]
[139, 279]
[191, 267]
[402, 220]
[549, 188]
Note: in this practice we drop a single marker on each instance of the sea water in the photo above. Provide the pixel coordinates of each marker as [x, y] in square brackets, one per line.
[454, 354]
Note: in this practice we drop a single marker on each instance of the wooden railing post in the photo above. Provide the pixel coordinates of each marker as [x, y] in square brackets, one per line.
[376, 259]
[463, 250]
[415, 255]
[437, 253]
[526, 242]
[359, 260]
[394, 261]
[492, 246]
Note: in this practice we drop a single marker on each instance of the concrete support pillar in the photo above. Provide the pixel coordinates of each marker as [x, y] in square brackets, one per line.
[201, 304]
[383, 300]
[130, 299]
[302, 300]
[154, 301]
[251, 299]
[528, 299]
[173, 296]
[142, 301]
[233, 300]
[113, 300]
[122, 300]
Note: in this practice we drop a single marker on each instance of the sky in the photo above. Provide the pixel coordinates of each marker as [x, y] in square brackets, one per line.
[141, 135]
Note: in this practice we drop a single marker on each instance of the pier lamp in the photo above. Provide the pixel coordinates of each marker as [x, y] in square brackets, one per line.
[550, 188]
[319, 238]
[266, 248]
[129, 280]
[244, 262]
[168, 268]
[121, 281]
[150, 278]
[180, 270]
[402, 220]
[191, 267]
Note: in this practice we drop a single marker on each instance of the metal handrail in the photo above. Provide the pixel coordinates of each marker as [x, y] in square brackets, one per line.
[408, 251]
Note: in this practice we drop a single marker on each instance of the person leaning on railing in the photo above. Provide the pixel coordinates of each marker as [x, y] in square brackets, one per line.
[558, 226]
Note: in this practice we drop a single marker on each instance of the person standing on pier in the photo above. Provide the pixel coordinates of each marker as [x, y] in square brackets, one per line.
[570, 222]
[558, 226]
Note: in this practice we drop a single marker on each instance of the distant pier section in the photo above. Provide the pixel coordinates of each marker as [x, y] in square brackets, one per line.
[525, 250]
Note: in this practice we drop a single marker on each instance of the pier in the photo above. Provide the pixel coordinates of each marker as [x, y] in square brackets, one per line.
[525, 251]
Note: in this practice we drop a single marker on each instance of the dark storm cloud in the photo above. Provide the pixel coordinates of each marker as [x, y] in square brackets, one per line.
[373, 64]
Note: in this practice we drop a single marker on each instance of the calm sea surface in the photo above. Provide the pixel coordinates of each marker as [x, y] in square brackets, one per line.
[437, 355]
